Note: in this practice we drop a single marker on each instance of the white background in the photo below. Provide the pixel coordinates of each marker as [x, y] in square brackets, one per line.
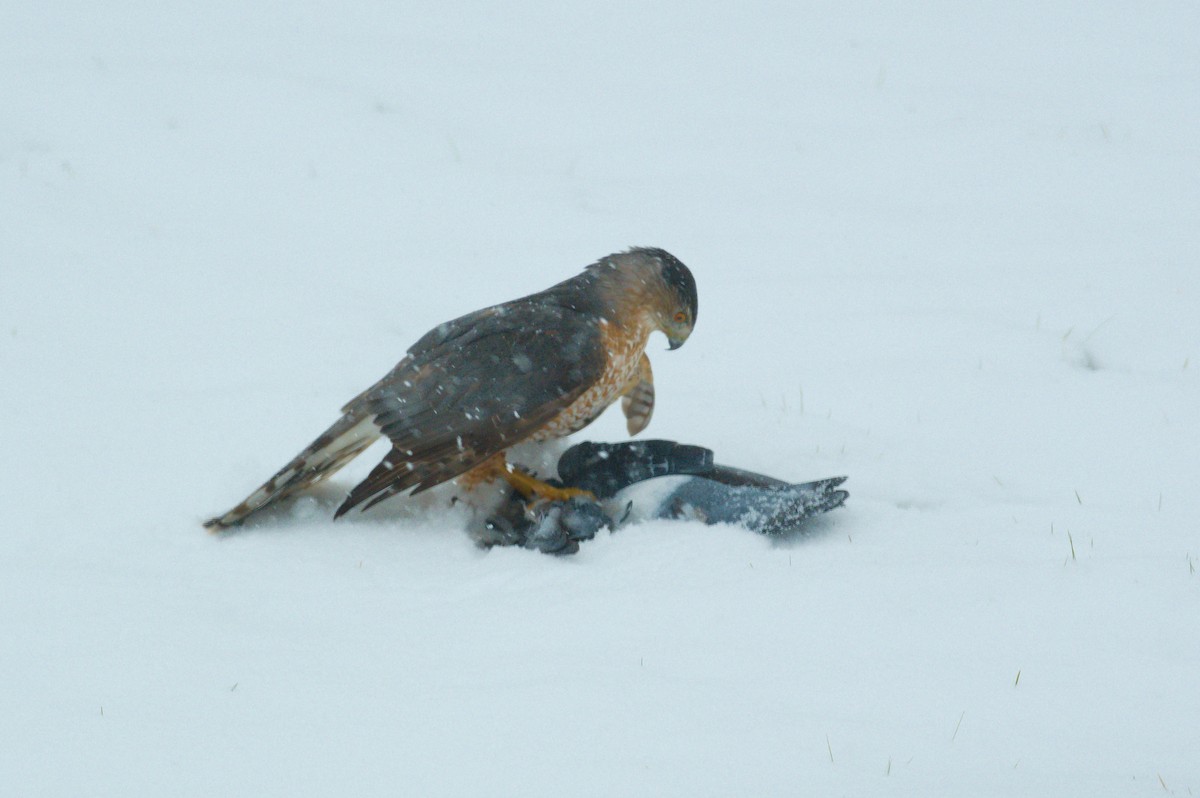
[950, 250]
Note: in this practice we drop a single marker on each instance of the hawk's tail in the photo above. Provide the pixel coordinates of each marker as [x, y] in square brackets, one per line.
[337, 446]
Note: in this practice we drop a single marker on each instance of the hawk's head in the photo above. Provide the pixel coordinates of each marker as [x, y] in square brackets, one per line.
[678, 315]
[655, 283]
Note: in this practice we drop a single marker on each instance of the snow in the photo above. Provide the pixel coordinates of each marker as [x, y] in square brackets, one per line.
[948, 250]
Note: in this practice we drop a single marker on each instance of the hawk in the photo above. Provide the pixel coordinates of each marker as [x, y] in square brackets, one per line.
[532, 369]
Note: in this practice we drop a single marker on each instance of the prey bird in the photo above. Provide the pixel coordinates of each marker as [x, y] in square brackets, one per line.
[533, 369]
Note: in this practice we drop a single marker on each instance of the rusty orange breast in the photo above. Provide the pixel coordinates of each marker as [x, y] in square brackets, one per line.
[623, 349]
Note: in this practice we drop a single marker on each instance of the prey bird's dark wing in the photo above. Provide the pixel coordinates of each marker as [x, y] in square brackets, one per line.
[475, 386]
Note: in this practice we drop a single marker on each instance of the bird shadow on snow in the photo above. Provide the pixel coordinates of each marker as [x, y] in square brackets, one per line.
[810, 531]
[317, 505]
[439, 509]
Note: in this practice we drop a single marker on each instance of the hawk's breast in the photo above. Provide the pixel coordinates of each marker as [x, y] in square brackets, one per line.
[623, 351]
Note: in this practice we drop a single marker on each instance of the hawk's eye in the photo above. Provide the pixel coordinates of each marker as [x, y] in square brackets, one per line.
[680, 317]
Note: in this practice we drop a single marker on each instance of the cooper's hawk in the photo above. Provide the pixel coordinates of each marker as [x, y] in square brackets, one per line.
[532, 369]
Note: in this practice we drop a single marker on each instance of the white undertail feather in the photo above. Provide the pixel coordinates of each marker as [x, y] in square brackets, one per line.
[338, 445]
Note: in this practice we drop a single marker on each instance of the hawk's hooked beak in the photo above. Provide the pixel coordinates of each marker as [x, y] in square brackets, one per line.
[675, 343]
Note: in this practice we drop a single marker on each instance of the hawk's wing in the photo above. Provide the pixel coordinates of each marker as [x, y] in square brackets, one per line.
[475, 386]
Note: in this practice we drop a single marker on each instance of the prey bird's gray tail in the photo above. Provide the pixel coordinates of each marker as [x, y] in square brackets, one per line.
[338, 445]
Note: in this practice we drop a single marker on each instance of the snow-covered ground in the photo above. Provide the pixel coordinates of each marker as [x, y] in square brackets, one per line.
[950, 250]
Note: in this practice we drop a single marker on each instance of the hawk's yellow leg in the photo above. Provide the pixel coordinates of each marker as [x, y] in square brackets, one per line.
[533, 488]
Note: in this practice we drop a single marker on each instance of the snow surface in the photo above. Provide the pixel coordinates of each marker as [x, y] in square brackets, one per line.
[950, 250]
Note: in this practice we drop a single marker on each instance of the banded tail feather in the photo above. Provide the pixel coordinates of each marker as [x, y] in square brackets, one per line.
[338, 445]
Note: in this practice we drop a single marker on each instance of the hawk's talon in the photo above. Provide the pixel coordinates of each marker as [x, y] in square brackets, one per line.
[535, 490]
